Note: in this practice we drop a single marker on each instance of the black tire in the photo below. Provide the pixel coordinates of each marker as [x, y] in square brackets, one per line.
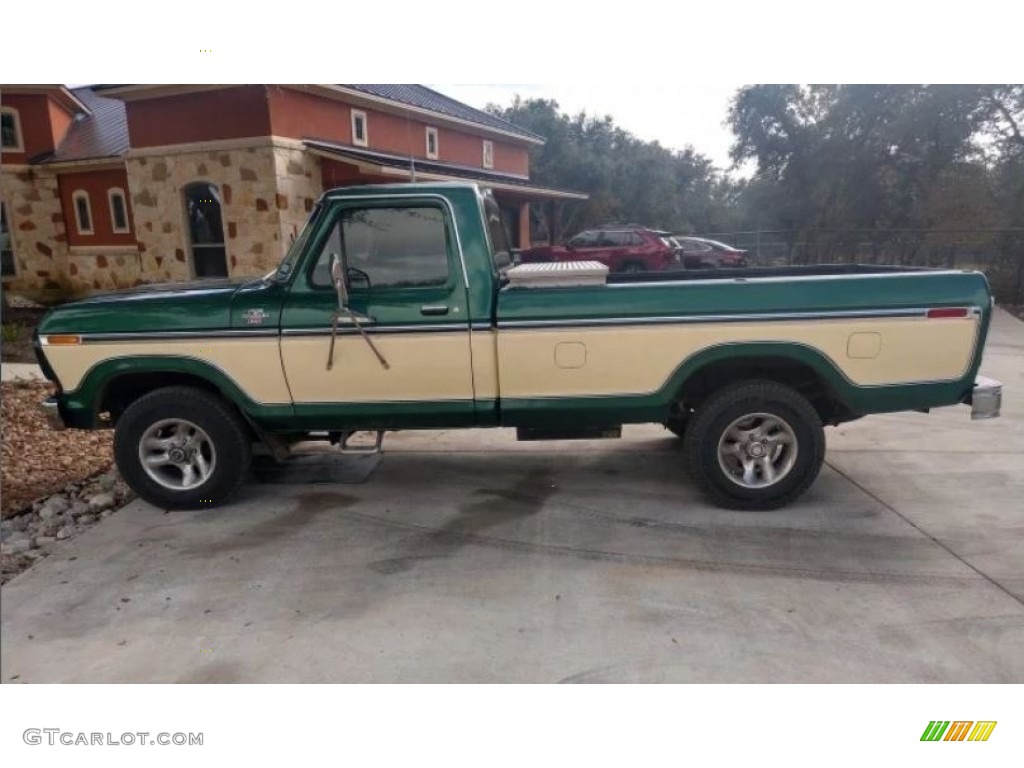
[713, 419]
[222, 424]
[633, 268]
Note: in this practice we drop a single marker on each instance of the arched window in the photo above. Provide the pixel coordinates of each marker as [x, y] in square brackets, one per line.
[10, 130]
[6, 247]
[118, 210]
[205, 230]
[83, 211]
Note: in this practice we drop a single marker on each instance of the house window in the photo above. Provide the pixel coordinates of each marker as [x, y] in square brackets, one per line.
[488, 154]
[6, 249]
[118, 210]
[83, 212]
[205, 230]
[359, 132]
[432, 152]
[10, 130]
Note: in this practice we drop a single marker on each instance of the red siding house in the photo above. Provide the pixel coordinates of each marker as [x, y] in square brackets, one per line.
[112, 186]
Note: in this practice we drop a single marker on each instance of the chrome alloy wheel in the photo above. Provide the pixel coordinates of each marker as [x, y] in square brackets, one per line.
[177, 454]
[757, 450]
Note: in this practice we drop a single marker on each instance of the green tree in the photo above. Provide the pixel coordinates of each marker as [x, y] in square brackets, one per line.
[628, 180]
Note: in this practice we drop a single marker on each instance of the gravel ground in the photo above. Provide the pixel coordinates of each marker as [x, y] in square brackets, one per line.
[54, 484]
[42, 526]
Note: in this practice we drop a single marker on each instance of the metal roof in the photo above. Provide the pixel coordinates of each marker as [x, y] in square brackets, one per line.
[102, 133]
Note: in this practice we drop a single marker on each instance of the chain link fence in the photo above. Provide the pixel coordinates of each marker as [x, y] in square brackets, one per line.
[999, 253]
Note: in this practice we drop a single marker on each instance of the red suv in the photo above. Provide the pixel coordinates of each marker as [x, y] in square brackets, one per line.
[621, 249]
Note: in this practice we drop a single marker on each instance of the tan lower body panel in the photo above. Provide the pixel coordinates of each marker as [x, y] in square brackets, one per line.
[639, 359]
[618, 360]
[425, 367]
[485, 364]
[253, 364]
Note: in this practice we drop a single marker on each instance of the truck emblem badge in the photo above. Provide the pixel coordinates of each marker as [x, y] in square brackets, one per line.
[255, 316]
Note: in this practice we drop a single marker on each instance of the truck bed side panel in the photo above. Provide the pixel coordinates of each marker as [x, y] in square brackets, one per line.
[594, 352]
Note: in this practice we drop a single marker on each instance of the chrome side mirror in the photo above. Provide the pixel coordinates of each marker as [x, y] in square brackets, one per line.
[340, 283]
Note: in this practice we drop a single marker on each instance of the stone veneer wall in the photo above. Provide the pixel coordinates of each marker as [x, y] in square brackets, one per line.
[264, 192]
[46, 267]
[38, 237]
[98, 268]
[298, 186]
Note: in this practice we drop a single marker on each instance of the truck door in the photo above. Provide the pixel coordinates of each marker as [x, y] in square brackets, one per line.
[408, 289]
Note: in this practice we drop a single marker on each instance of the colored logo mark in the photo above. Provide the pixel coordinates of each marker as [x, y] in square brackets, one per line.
[958, 730]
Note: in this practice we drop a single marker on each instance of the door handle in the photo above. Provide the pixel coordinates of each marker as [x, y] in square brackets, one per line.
[438, 309]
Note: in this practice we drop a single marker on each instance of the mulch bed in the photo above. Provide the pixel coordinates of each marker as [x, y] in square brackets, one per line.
[36, 461]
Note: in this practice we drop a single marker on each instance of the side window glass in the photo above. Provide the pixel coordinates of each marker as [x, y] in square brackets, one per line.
[403, 247]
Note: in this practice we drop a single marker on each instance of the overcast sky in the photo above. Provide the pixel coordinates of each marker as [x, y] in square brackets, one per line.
[674, 115]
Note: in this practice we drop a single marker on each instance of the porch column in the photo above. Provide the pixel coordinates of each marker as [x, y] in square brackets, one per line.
[524, 226]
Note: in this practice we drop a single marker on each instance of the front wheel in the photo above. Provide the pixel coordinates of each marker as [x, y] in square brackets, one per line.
[182, 448]
[755, 445]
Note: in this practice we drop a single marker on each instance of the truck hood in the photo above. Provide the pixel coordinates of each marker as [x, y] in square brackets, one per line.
[181, 306]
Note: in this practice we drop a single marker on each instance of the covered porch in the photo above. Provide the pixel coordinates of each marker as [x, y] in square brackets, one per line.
[343, 165]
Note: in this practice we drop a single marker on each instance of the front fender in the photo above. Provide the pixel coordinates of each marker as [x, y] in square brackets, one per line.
[80, 408]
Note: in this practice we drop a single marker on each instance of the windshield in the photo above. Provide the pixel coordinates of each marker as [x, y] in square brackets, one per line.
[287, 265]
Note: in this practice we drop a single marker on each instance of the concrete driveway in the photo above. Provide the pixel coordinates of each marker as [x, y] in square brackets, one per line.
[470, 557]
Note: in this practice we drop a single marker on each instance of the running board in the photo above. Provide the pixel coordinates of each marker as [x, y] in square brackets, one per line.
[526, 434]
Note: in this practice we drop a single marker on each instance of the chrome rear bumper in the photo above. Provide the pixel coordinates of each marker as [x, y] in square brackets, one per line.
[52, 413]
[986, 398]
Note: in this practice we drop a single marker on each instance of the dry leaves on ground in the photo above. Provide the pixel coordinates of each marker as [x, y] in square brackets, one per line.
[37, 461]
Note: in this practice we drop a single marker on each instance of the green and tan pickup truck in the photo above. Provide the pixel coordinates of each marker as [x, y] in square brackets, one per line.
[398, 307]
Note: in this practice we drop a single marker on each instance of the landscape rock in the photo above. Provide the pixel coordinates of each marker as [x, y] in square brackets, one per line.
[65, 533]
[43, 541]
[79, 508]
[19, 523]
[107, 481]
[101, 501]
[15, 546]
[87, 519]
[54, 506]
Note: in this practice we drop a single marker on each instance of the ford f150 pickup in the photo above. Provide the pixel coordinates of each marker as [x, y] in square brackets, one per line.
[397, 308]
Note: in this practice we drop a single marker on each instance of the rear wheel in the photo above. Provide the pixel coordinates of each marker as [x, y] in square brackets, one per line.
[755, 445]
[182, 448]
